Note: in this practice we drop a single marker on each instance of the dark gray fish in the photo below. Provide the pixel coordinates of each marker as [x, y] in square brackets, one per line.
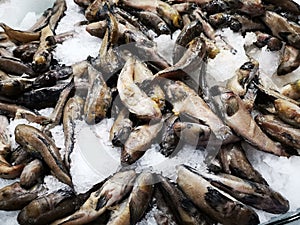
[32, 174]
[215, 203]
[14, 197]
[273, 43]
[15, 66]
[37, 143]
[234, 161]
[110, 193]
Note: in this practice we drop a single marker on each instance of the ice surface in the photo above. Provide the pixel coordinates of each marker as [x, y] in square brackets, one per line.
[94, 158]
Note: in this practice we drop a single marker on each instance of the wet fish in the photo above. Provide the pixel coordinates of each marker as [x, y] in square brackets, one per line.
[25, 52]
[98, 100]
[186, 35]
[5, 142]
[14, 86]
[288, 5]
[57, 12]
[95, 11]
[37, 143]
[112, 191]
[292, 90]
[257, 195]
[216, 204]
[283, 29]
[170, 138]
[288, 112]
[273, 43]
[169, 14]
[243, 77]
[239, 119]
[279, 130]
[183, 209]
[290, 60]
[234, 161]
[83, 3]
[32, 174]
[8, 171]
[97, 28]
[73, 111]
[133, 97]
[42, 57]
[14, 197]
[18, 36]
[139, 141]
[15, 66]
[154, 21]
[134, 207]
[121, 128]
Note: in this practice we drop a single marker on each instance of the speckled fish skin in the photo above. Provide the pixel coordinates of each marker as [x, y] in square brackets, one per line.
[32, 173]
[47, 208]
[182, 208]
[288, 112]
[234, 161]
[134, 207]
[14, 197]
[112, 191]
[139, 140]
[239, 119]
[37, 143]
[133, 97]
[98, 99]
[220, 207]
[259, 196]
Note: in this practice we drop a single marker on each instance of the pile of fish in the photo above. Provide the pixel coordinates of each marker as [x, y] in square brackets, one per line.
[151, 101]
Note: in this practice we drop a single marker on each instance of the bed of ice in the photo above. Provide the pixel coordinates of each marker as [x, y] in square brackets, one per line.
[94, 158]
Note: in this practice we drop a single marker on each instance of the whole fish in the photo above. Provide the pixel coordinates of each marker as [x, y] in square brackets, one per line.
[234, 161]
[257, 195]
[121, 128]
[98, 99]
[215, 203]
[14, 197]
[112, 191]
[72, 111]
[133, 97]
[183, 209]
[32, 174]
[139, 140]
[239, 119]
[134, 207]
[37, 143]
[288, 112]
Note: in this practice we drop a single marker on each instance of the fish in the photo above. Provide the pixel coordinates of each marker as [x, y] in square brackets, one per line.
[5, 142]
[18, 36]
[57, 12]
[169, 14]
[288, 112]
[25, 52]
[83, 3]
[42, 57]
[291, 90]
[111, 192]
[15, 66]
[39, 144]
[234, 161]
[8, 171]
[14, 86]
[240, 120]
[282, 28]
[212, 201]
[170, 138]
[73, 111]
[243, 77]
[14, 197]
[95, 11]
[262, 39]
[133, 97]
[183, 209]
[32, 174]
[139, 140]
[121, 128]
[259, 196]
[134, 207]
[288, 5]
[97, 28]
[289, 61]
[98, 100]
